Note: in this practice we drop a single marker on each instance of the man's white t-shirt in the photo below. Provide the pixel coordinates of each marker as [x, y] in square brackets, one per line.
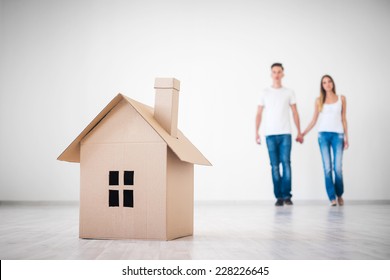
[276, 103]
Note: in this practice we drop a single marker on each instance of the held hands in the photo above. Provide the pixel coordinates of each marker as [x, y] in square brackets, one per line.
[300, 138]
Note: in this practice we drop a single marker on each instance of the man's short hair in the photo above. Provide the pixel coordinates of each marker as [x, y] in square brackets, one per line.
[278, 65]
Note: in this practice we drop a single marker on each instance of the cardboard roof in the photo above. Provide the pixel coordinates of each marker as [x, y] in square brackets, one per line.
[181, 146]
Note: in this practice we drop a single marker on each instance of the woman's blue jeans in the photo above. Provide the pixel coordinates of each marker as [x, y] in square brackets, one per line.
[279, 149]
[332, 141]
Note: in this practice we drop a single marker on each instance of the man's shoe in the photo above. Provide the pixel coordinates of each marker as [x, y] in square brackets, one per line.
[340, 200]
[288, 201]
[333, 203]
[279, 202]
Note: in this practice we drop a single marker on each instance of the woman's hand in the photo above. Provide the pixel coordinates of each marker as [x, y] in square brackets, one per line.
[346, 143]
[300, 138]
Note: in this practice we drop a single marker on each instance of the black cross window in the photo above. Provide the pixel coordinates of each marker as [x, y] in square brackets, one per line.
[113, 194]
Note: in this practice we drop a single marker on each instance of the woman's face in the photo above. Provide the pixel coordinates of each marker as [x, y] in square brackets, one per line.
[327, 84]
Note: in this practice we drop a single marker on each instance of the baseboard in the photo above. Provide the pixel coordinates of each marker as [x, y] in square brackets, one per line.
[40, 203]
[204, 202]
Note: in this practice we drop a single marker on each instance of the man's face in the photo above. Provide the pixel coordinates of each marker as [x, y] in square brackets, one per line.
[277, 73]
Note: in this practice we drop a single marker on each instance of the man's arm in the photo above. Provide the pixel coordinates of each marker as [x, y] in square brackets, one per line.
[258, 123]
[297, 122]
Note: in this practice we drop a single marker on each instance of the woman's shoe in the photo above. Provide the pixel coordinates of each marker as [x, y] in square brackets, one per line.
[333, 203]
[340, 200]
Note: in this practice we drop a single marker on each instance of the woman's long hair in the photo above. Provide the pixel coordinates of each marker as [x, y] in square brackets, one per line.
[323, 92]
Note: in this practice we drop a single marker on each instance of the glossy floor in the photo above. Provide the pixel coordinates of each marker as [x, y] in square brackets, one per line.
[249, 230]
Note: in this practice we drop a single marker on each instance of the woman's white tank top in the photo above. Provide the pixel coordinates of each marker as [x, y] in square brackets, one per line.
[330, 119]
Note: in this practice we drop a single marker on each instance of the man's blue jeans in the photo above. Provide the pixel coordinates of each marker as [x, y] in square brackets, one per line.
[279, 149]
[328, 140]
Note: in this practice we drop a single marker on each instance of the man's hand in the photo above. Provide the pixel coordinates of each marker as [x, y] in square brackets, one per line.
[299, 138]
[258, 140]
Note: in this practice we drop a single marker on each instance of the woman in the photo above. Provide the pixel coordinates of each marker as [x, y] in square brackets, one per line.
[330, 111]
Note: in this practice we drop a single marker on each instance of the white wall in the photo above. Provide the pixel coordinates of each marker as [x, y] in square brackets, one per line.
[62, 61]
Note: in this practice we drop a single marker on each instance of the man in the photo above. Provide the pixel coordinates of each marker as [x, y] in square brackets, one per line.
[276, 102]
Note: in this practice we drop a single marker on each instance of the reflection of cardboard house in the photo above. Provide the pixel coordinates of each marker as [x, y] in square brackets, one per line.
[136, 169]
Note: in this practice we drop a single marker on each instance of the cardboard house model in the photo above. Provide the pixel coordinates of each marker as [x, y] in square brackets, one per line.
[136, 169]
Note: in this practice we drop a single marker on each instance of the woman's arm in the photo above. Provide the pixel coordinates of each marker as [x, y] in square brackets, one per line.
[314, 120]
[296, 120]
[344, 119]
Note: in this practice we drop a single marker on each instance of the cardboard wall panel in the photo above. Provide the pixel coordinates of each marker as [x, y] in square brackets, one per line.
[180, 197]
[150, 182]
[122, 124]
[147, 218]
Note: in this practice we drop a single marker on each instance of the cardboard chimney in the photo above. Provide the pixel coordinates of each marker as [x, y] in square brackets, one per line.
[136, 169]
[167, 104]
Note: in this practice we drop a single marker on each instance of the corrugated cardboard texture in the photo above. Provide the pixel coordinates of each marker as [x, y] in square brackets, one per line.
[167, 83]
[123, 141]
[180, 197]
[166, 109]
[72, 152]
[181, 146]
[136, 170]
[147, 219]
[122, 124]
